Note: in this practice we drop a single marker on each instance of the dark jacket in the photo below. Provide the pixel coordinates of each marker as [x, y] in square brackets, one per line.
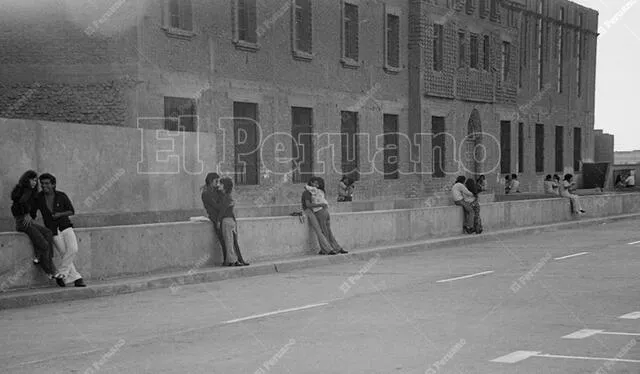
[61, 203]
[211, 199]
[23, 201]
[227, 207]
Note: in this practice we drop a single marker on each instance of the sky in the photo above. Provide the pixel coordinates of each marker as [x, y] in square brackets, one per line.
[618, 70]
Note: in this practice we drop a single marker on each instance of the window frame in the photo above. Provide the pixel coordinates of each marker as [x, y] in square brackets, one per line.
[394, 12]
[177, 32]
[242, 44]
[349, 62]
[298, 53]
[438, 48]
[388, 153]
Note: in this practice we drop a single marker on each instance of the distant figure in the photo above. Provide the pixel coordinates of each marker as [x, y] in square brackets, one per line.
[550, 186]
[481, 183]
[630, 180]
[566, 189]
[507, 184]
[473, 200]
[345, 189]
[619, 181]
[459, 192]
[229, 226]
[515, 184]
[314, 205]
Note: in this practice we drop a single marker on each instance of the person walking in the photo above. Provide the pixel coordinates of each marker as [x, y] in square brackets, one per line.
[23, 199]
[56, 208]
[228, 225]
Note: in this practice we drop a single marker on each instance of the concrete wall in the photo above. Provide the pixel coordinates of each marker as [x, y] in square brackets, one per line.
[127, 250]
[121, 173]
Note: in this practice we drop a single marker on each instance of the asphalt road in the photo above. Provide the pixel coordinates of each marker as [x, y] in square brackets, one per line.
[426, 312]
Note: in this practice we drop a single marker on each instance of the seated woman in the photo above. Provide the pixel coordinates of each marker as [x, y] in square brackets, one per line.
[228, 225]
[345, 189]
[550, 186]
[24, 212]
[630, 180]
[507, 184]
[459, 192]
[481, 184]
[473, 200]
[566, 189]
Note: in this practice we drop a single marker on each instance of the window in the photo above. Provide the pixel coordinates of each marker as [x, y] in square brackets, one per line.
[577, 148]
[180, 15]
[392, 45]
[245, 140]
[438, 148]
[506, 60]
[302, 30]
[539, 26]
[350, 30]
[390, 131]
[473, 42]
[493, 10]
[461, 49]
[246, 21]
[349, 139]
[539, 148]
[559, 148]
[469, 6]
[302, 133]
[486, 49]
[483, 8]
[438, 42]
[560, 51]
[180, 114]
[505, 147]
[520, 147]
[524, 39]
[579, 57]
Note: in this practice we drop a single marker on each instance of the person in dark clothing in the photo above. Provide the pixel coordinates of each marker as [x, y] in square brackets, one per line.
[23, 198]
[211, 197]
[228, 225]
[475, 204]
[56, 208]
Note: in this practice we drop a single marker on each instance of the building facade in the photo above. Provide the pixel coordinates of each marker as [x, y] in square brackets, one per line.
[401, 95]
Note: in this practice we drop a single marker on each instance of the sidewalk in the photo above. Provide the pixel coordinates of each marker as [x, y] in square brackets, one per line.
[31, 297]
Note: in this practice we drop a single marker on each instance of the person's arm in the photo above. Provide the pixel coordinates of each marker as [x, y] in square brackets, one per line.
[310, 204]
[66, 205]
[465, 191]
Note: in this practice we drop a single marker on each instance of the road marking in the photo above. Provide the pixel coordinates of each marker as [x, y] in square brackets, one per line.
[56, 358]
[581, 334]
[569, 256]
[518, 356]
[632, 315]
[634, 242]
[464, 277]
[276, 312]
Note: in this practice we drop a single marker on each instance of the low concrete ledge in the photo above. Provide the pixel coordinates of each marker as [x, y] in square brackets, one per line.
[117, 251]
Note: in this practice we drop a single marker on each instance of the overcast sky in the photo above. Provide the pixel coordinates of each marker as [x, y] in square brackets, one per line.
[618, 71]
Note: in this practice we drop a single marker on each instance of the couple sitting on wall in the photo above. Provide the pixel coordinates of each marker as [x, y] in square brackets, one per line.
[566, 188]
[57, 232]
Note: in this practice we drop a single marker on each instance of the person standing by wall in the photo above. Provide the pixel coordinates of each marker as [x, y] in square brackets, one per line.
[56, 208]
[475, 204]
[459, 191]
[228, 225]
[211, 197]
[324, 218]
[23, 199]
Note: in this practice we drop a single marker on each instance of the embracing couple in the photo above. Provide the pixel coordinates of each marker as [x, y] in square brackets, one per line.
[316, 208]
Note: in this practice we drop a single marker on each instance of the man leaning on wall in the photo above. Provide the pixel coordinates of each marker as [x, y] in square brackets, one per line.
[56, 208]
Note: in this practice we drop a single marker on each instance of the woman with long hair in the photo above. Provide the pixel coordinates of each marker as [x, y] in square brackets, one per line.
[312, 202]
[24, 212]
[211, 200]
[473, 200]
[324, 219]
[229, 226]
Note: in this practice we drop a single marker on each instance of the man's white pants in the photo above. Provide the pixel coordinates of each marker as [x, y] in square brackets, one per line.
[66, 245]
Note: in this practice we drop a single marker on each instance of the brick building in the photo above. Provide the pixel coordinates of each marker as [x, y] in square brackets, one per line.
[508, 85]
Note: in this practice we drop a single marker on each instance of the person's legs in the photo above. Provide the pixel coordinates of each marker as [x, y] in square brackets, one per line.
[227, 227]
[218, 231]
[575, 201]
[324, 220]
[42, 240]
[68, 254]
[477, 223]
[325, 246]
[469, 217]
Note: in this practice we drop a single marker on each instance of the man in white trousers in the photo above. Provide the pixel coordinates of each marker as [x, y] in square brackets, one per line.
[56, 208]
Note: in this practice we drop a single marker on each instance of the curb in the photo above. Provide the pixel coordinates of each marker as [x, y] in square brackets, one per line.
[26, 298]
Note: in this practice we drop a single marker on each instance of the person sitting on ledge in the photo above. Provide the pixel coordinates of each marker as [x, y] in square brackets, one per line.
[507, 184]
[345, 189]
[566, 189]
[515, 184]
[550, 186]
[630, 180]
[481, 183]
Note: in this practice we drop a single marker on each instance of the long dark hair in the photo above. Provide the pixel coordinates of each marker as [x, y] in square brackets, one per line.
[227, 185]
[24, 185]
[471, 186]
[320, 184]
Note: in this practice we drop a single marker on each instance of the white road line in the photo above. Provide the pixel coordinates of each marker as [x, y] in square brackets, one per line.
[634, 242]
[518, 356]
[581, 334]
[569, 256]
[56, 357]
[632, 315]
[276, 312]
[464, 277]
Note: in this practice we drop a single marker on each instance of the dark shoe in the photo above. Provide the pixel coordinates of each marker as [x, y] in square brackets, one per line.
[332, 253]
[237, 264]
[245, 263]
[467, 230]
[342, 251]
[479, 232]
[60, 281]
[79, 283]
[323, 253]
[582, 211]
